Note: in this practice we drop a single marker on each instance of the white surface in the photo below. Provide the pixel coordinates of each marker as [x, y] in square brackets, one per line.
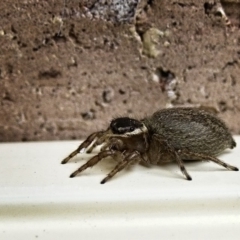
[38, 200]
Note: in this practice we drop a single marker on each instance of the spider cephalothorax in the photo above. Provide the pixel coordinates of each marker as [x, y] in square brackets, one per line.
[130, 133]
[168, 135]
[125, 125]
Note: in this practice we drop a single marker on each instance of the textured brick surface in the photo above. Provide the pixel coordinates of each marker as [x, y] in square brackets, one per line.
[66, 71]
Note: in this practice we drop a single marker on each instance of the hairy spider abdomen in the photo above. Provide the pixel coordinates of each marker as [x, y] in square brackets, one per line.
[191, 129]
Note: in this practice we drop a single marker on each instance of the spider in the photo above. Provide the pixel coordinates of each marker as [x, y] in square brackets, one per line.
[175, 134]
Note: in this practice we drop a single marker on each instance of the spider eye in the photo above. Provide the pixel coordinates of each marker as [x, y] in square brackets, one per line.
[124, 125]
[131, 128]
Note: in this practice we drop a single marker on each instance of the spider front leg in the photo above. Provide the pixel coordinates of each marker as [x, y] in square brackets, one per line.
[98, 142]
[93, 161]
[131, 158]
[114, 144]
[84, 145]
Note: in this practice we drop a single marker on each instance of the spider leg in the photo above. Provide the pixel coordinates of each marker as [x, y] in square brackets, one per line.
[83, 145]
[114, 144]
[104, 147]
[182, 167]
[165, 148]
[199, 156]
[130, 159]
[93, 161]
[99, 141]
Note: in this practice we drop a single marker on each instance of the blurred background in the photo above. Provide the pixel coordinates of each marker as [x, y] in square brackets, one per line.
[68, 67]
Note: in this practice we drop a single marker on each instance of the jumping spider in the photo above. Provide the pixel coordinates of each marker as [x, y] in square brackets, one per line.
[174, 134]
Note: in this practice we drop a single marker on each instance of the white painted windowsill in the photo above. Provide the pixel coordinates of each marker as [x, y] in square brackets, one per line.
[38, 200]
